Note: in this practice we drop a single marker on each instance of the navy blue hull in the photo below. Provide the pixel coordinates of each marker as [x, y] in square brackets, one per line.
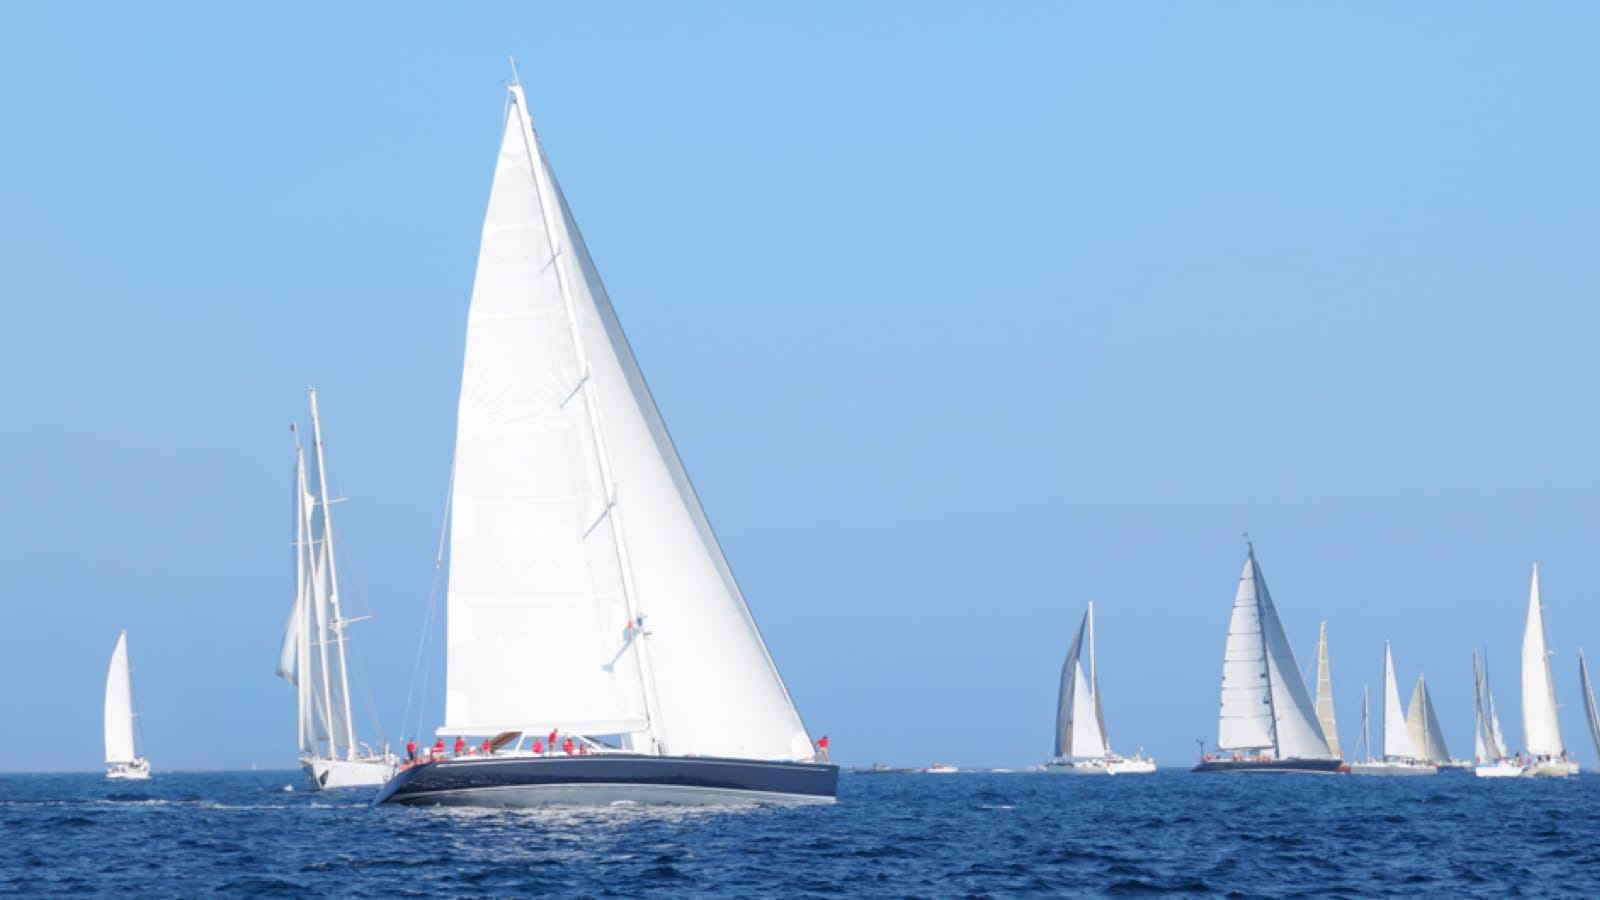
[1271, 766]
[520, 781]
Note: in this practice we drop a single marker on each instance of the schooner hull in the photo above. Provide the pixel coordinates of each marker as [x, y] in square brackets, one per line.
[606, 779]
[1270, 766]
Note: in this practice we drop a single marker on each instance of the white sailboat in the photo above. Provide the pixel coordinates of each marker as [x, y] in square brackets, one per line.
[1399, 756]
[1541, 724]
[1266, 722]
[588, 598]
[1489, 741]
[1422, 724]
[1591, 715]
[1082, 747]
[312, 657]
[1330, 731]
[122, 760]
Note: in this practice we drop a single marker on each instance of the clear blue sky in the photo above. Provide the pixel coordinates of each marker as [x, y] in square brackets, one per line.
[961, 317]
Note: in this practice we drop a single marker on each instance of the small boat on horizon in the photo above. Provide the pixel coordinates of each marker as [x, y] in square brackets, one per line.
[123, 762]
[1266, 723]
[1541, 723]
[1488, 740]
[941, 769]
[1082, 747]
[1399, 756]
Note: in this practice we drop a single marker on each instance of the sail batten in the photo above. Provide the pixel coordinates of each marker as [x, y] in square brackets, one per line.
[586, 585]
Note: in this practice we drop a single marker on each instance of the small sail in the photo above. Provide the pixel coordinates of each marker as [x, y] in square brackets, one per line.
[1541, 726]
[1589, 710]
[1482, 737]
[119, 705]
[1498, 745]
[1422, 726]
[1330, 731]
[1396, 736]
[1079, 731]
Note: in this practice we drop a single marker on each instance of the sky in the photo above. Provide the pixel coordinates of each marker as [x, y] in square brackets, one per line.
[960, 316]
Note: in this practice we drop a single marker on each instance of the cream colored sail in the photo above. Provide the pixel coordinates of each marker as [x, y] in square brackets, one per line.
[587, 591]
[1330, 730]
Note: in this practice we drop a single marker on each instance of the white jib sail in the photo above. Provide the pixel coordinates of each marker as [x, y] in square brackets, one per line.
[1330, 730]
[1482, 737]
[587, 591]
[1265, 704]
[1080, 730]
[1541, 727]
[1590, 713]
[1396, 737]
[119, 705]
[1422, 726]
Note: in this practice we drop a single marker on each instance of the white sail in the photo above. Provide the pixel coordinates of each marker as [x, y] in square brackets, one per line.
[1330, 731]
[1080, 726]
[1541, 727]
[1483, 748]
[1422, 726]
[1498, 744]
[1265, 704]
[119, 706]
[587, 591]
[1396, 737]
[1590, 713]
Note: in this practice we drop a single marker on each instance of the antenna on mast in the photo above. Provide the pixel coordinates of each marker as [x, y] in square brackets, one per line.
[514, 78]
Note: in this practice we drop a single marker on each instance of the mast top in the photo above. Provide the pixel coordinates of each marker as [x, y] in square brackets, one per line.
[514, 79]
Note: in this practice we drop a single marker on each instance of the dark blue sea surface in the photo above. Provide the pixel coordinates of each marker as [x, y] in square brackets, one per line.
[894, 835]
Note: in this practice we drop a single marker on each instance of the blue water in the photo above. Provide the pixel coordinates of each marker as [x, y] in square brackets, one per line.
[894, 835]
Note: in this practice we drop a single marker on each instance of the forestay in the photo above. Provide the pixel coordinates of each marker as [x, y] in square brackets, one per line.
[587, 591]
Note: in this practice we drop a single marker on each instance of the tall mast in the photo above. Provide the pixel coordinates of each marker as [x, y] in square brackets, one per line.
[1266, 652]
[301, 659]
[597, 431]
[333, 578]
[1366, 733]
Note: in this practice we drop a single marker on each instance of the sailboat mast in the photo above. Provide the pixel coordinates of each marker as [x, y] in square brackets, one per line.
[333, 579]
[1366, 733]
[301, 613]
[1266, 664]
[597, 431]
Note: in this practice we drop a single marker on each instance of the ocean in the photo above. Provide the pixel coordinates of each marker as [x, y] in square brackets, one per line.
[964, 835]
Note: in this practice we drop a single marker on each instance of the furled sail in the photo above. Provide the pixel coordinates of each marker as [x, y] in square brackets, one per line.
[1330, 731]
[1422, 726]
[1080, 727]
[587, 591]
[1265, 705]
[1396, 737]
[1589, 711]
[1541, 727]
[119, 705]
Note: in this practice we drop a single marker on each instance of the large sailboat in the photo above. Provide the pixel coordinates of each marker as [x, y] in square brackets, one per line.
[1399, 756]
[1266, 723]
[313, 657]
[1488, 740]
[1541, 725]
[1082, 747]
[1330, 730]
[1422, 725]
[589, 604]
[122, 760]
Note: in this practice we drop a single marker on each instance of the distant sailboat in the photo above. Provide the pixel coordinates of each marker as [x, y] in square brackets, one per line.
[1399, 756]
[1422, 724]
[1591, 715]
[122, 760]
[1082, 747]
[1266, 723]
[589, 600]
[1489, 742]
[1541, 724]
[312, 657]
[1330, 731]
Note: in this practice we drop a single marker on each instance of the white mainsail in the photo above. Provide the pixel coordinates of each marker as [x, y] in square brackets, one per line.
[119, 706]
[1422, 726]
[587, 591]
[1590, 713]
[1265, 705]
[1396, 737]
[1485, 743]
[1541, 727]
[1080, 721]
[1330, 731]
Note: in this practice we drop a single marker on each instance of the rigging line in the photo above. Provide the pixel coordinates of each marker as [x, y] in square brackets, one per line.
[364, 683]
[424, 640]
